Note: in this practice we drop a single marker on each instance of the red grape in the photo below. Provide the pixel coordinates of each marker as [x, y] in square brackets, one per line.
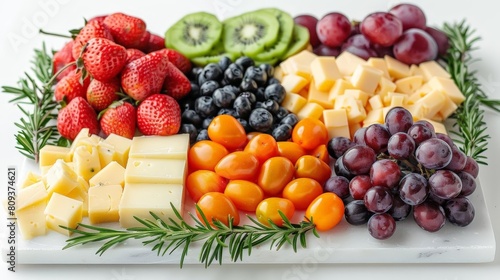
[337, 146]
[471, 167]
[382, 28]
[413, 189]
[333, 29]
[385, 173]
[338, 185]
[377, 137]
[410, 15]
[429, 216]
[468, 183]
[441, 40]
[433, 153]
[458, 159]
[381, 226]
[356, 213]
[359, 185]
[401, 146]
[415, 46]
[358, 159]
[309, 22]
[398, 119]
[445, 184]
[378, 199]
[324, 50]
[459, 211]
[399, 210]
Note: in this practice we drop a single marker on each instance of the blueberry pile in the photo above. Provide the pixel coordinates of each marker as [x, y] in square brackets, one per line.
[241, 89]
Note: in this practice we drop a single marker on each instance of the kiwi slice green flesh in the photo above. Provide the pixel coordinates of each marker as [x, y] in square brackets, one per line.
[300, 41]
[250, 33]
[285, 33]
[195, 34]
[204, 60]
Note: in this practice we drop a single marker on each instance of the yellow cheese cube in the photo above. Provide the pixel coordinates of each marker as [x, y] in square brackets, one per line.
[432, 102]
[384, 87]
[300, 64]
[169, 147]
[294, 83]
[448, 87]
[319, 97]
[30, 179]
[353, 128]
[31, 220]
[63, 211]
[140, 199]
[304, 92]
[379, 63]
[338, 89]
[375, 102]
[347, 63]
[409, 84]
[374, 116]
[335, 118]
[325, 71]
[366, 78]
[341, 131]
[358, 94]
[356, 112]
[111, 174]
[397, 69]
[449, 107]
[104, 202]
[432, 69]
[310, 110]
[417, 111]
[50, 153]
[60, 178]
[293, 102]
[278, 73]
[415, 71]
[398, 100]
[30, 195]
[84, 133]
[80, 193]
[157, 171]
[86, 161]
[438, 126]
[114, 148]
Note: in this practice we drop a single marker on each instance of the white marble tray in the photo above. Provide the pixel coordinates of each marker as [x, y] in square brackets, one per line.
[344, 244]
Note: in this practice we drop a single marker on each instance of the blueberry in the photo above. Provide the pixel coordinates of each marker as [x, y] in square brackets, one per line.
[186, 104]
[271, 105]
[208, 88]
[257, 74]
[275, 92]
[268, 68]
[272, 81]
[290, 119]
[195, 90]
[223, 98]
[224, 62]
[282, 112]
[242, 106]
[227, 111]
[193, 74]
[261, 120]
[260, 94]
[190, 116]
[282, 132]
[251, 97]
[202, 135]
[205, 106]
[206, 122]
[231, 88]
[244, 62]
[233, 74]
[190, 129]
[211, 72]
[248, 85]
[245, 124]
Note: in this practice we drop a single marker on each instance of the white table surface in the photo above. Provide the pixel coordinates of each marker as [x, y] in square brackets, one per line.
[20, 20]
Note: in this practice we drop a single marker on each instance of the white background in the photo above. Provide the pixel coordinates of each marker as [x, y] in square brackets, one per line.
[20, 20]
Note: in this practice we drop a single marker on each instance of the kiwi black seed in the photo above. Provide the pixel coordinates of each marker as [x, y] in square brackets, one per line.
[250, 33]
[195, 34]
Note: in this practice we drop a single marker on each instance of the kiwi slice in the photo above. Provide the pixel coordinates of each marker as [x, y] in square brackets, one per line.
[285, 33]
[250, 33]
[300, 41]
[195, 34]
[215, 54]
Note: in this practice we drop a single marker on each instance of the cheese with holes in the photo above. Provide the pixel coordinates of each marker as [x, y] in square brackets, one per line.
[338, 89]
[432, 103]
[111, 174]
[366, 78]
[448, 87]
[50, 153]
[293, 102]
[379, 63]
[384, 87]
[375, 102]
[325, 71]
[347, 63]
[294, 83]
[317, 96]
[156, 171]
[63, 211]
[397, 69]
[31, 203]
[358, 94]
[169, 147]
[114, 148]
[60, 178]
[409, 84]
[86, 161]
[104, 202]
[30, 179]
[81, 193]
[310, 110]
[140, 199]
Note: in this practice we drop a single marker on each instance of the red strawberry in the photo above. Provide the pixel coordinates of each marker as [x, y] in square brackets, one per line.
[126, 30]
[101, 94]
[104, 59]
[98, 18]
[71, 86]
[76, 115]
[133, 54]
[159, 114]
[143, 43]
[119, 118]
[176, 84]
[155, 43]
[178, 59]
[144, 76]
[61, 59]
[93, 29]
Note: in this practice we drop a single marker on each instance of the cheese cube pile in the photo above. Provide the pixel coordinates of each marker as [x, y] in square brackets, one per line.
[106, 180]
[348, 92]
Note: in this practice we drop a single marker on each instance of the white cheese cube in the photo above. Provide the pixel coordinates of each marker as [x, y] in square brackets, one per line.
[168, 147]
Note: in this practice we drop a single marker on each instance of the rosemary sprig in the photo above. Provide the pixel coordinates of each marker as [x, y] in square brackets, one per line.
[469, 126]
[35, 90]
[216, 239]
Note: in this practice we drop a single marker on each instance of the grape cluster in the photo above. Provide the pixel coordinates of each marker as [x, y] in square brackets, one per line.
[241, 89]
[390, 171]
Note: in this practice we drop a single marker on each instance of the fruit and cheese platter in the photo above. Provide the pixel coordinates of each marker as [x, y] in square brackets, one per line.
[260, 137]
